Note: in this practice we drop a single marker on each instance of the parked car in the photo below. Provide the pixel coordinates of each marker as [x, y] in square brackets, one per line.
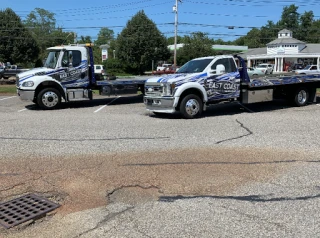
[163, 67]
[254, 71]
[266, 68]
[167, 70]
[99, 71]
[11, 71]
[309, 69]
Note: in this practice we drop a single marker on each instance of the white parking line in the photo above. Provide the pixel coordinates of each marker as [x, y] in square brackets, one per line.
[22, 110]
[106, 105]
[7, 98]
[100, 109]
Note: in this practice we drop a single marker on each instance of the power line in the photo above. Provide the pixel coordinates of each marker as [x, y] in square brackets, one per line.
[254, 4]
[100, 7]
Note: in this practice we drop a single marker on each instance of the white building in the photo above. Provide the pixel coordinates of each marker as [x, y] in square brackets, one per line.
[284, 52]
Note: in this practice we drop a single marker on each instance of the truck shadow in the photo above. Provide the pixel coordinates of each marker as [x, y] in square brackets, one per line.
[98, 101]
[234, 108]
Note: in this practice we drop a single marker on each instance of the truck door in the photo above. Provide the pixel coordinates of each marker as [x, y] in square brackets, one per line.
[74, 74]
[226, 84]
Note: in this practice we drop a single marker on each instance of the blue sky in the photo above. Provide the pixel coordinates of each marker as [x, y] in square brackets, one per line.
[211, 16]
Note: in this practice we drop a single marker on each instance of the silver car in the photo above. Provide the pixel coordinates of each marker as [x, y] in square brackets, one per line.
[266, 68]
[255, 72]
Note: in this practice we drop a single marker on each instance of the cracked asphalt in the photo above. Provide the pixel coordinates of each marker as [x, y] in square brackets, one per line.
[123, 172]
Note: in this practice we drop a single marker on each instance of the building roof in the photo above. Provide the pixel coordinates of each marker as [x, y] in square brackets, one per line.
[285, 31]
[285, 41]
[255, 51]
[311, 48]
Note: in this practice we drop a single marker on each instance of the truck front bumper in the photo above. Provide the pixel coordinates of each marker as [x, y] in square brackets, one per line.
[26, 95]
[161, 104]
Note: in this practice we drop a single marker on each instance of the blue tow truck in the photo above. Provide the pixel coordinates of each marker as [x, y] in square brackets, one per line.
[214, 79]
[68, 74]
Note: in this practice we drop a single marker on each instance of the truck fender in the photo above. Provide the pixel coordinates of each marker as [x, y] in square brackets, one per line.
[49, 82]
[191, 85]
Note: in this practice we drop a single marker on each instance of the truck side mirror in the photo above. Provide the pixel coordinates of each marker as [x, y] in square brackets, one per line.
[220, 69]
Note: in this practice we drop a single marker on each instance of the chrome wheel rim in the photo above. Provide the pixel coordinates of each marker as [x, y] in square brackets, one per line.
[50, 99]
[192, 107]
[302, 97]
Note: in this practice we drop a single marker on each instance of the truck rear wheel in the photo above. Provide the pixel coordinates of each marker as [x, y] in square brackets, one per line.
[191, 106]
[301, 97]
[49, 98]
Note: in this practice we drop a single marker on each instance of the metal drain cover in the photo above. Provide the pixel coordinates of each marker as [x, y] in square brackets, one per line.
[25, 208]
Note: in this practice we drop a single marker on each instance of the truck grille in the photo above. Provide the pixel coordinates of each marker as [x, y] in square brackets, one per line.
[153, 90]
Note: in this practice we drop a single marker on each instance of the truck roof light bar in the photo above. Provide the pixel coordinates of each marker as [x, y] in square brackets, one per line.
[86, 44]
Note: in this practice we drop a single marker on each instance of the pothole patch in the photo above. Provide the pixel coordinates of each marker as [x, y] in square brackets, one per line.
[134, 195]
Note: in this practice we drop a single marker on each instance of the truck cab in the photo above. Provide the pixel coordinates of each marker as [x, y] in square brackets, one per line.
[198, 82]
[67, 74]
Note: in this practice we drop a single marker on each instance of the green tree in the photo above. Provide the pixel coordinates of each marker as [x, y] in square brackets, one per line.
[170, 40]
[139, 43]
[42, 25]
[85, 39]
[306, 29]
[268, 33]
[105, 35]
[198, 44]
[17, 46]
[313, 36]
[290, 18]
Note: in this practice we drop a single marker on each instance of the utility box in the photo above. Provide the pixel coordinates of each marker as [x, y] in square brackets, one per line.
[254, 96]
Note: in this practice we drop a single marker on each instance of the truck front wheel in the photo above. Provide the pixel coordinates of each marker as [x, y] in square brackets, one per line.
[49, 98]
[191, 106]
[301, 97]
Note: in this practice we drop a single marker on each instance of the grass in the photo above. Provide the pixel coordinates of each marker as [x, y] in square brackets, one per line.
[8, 89]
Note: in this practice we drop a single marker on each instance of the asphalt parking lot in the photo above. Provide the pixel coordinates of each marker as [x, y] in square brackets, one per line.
[120, 171]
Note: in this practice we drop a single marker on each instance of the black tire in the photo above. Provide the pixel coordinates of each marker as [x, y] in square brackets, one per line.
[300, 97]
[49, 98]
[191, 106]
[142, 89]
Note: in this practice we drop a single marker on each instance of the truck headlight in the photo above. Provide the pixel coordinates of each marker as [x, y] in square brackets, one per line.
[168, 88]
[28, 84]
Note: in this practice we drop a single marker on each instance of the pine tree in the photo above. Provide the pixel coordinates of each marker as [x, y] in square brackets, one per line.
[139, 43]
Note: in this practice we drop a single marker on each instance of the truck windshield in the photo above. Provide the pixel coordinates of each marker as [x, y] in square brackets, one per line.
[52, 59]
[194, 66]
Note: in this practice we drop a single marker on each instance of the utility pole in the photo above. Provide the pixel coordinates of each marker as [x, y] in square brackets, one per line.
[175, 9]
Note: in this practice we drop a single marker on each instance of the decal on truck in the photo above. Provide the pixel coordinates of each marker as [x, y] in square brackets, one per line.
[68, 77]
[217, 86]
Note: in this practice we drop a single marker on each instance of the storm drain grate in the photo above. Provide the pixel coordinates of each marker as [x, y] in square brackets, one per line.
[24, 208]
